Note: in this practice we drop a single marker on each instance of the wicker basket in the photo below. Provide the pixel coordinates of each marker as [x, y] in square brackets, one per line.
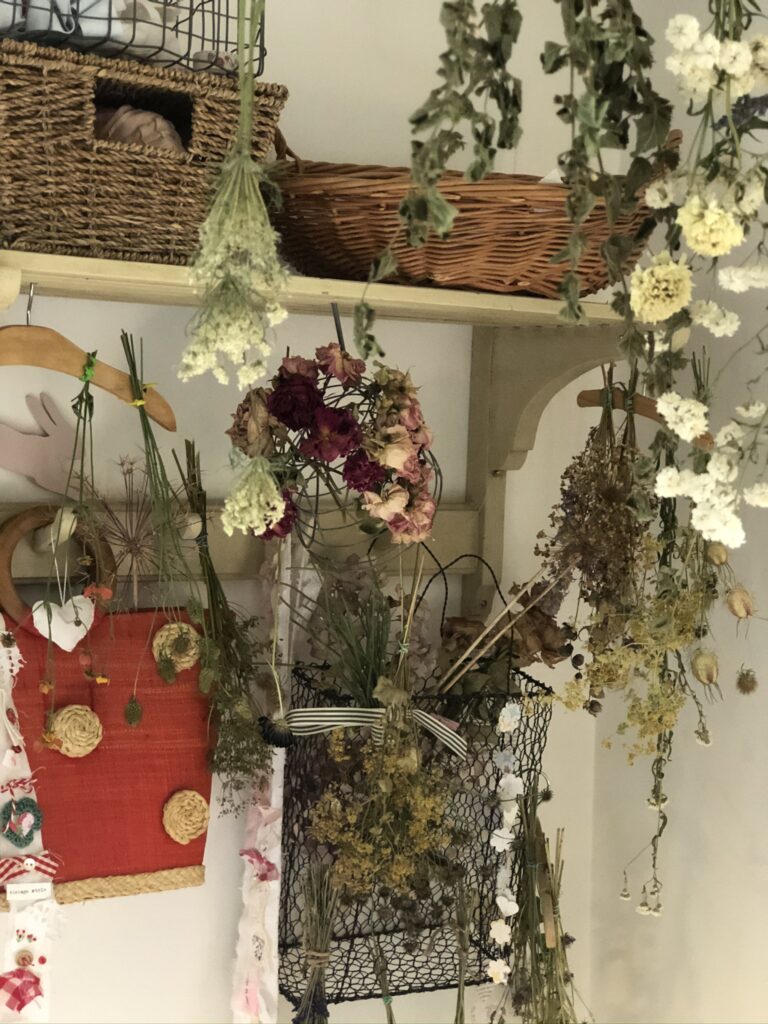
[62, 190]
[337, 218]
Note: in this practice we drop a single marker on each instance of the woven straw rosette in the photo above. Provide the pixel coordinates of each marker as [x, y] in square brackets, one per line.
[336, 219]
[185, 816]
[77, 730]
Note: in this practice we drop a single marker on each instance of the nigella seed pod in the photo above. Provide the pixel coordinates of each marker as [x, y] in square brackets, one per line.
[705, 667]
[746, 681]
[740, 602]
[276, 732]
[717, 553]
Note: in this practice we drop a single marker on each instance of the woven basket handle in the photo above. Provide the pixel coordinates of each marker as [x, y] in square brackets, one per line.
[19, 526]
[284, 151]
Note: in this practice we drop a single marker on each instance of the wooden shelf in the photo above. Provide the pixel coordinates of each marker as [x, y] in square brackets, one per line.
[152, 283]
[522, 355]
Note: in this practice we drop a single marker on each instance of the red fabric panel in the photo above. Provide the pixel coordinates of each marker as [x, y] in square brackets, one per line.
[103, 813]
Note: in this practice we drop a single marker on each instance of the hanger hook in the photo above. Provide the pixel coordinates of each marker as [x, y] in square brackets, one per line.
[30, 302]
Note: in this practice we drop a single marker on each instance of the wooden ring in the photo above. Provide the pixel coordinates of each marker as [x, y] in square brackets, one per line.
[16, 529]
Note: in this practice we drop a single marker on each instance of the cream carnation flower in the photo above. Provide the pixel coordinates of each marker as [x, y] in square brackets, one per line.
[683, 31]
[753, 411]
[685, 416]
[661, 290]
[741, 279]
[721, 322]
[664, 192]
[757, 495]
[709, 229]
[735, 58]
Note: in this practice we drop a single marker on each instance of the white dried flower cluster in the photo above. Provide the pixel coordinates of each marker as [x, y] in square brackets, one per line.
[752, 411]
[757, 495]
[255, 503]
[667, 191]
[240, 277]
[741, 279]
[721, 322]
[661, 290]
[684, 416]
[708, 228]
[716, 499]
[702, 62]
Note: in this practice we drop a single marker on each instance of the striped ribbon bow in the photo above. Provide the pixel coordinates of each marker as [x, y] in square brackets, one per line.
[311, 721]
[45, 863]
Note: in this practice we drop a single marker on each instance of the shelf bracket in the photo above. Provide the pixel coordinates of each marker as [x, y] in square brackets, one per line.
[10, 286]
[516, 372]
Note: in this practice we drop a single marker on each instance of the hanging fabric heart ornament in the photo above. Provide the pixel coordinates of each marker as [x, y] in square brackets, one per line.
[66, 624]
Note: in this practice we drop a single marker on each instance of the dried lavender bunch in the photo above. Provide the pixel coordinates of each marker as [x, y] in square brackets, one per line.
[320, 899]
[237, 268]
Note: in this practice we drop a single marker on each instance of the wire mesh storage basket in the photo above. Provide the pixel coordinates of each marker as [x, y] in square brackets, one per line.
[198, 34]
[425, 960]
[71, 184]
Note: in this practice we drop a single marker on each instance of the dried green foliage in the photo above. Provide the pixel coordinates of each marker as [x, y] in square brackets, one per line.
[612, 105]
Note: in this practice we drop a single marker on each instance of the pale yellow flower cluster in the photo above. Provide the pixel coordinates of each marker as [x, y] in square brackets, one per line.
[709, 229]
[661, 290]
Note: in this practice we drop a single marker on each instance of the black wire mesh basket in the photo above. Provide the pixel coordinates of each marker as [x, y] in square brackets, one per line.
[197, 34]
[426, 960]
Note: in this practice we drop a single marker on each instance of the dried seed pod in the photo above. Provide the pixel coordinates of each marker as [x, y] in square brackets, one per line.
[740, 602]
[746, 681]
[705, 667]
[717, 553]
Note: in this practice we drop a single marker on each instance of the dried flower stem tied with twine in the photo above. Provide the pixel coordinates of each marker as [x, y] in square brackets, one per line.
[237, 267]
[320, 899]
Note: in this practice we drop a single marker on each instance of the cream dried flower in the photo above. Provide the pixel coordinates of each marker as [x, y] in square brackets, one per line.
[501, 932]
[709, 229]
[683, 31]
[757, 495]
[255, 503]
[685, 417]
[741, 279]
[722, 323]
[752, 411]
[499, 971]
[661, 290]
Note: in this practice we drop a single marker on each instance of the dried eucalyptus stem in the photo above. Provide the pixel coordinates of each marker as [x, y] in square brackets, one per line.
[465, 907]
[320, 899]
[237, 268]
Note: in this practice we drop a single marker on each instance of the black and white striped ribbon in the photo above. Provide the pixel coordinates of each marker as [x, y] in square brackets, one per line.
[311, 721]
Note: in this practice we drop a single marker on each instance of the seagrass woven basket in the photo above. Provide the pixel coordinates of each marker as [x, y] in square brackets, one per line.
[337, 218]
[63, 190]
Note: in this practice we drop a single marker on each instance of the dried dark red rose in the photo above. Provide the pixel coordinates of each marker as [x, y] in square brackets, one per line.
[294, 400]
[362, 474]
[335, 433]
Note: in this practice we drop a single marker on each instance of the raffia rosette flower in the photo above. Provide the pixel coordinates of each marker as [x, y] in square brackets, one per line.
[740, 602]
[178, 643]
[185, 816]
[76, 730]
[705, 667]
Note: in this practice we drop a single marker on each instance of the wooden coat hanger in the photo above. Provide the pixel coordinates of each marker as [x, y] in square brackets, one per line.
[642, 405]
[25, 345]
